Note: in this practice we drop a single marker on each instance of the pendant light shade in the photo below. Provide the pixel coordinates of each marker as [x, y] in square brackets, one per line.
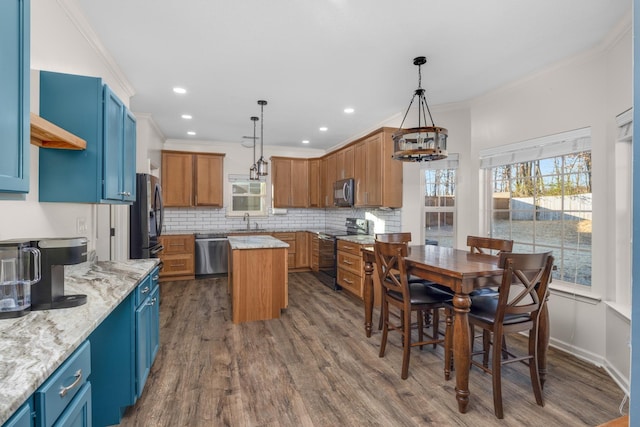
[422, 143]
[253, 171]
[262, 165]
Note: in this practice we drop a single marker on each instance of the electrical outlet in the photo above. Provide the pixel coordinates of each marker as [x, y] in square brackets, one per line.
[81, 225]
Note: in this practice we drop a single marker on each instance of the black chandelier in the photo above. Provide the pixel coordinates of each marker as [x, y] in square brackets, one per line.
[422, 143]
[262, 165]
[253, 171]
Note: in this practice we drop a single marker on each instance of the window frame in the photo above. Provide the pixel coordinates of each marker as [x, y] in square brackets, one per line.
[548, 147]
[244, 179]
[450, 163]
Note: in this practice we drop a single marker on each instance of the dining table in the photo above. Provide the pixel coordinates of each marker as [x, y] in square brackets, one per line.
[462, 271]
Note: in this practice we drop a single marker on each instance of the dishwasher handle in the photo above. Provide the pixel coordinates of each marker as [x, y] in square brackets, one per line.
[212, 239]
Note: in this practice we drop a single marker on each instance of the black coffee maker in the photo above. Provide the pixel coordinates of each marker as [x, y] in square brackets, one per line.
[55, 253]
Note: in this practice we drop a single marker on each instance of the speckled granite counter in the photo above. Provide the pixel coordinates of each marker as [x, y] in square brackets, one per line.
[361, 239]
[35, 345]
[256, 242]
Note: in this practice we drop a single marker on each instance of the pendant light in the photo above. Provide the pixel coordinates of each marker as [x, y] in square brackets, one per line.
[253, 171]
[424, 142]
[262, 165]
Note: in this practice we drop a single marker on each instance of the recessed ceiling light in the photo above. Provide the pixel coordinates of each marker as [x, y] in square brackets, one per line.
[180, 90]
[349, 110]
[187, 116]
[191, 133]
[305, 141]
[324, 129]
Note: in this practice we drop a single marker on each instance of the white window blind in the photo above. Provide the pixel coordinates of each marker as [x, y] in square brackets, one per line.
[559, 144]
[451, 162]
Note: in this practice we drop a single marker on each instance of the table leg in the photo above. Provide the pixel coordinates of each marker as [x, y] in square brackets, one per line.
[368, 297]
[461, 349]
[543, 343]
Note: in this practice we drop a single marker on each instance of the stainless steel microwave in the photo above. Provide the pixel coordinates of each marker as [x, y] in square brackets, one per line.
[344, 192]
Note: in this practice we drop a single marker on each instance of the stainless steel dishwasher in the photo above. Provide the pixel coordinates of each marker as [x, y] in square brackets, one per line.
[211, 253]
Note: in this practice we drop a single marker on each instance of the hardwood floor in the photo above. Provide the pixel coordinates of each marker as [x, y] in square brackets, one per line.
[315, 367]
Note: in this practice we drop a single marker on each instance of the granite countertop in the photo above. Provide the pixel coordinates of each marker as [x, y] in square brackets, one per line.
[35, 345]
[361, 239]
[255, 242]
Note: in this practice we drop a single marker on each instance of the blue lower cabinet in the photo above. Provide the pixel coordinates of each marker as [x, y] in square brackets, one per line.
[78, 413]
[23, 417]
[59, 394]
[147, 334]
[112, 359]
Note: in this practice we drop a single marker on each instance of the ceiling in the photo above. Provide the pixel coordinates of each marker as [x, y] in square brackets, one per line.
[312, 59]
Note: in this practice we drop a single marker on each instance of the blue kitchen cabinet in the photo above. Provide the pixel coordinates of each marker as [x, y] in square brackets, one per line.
[147, 329]
[23, 417]
[14, 96]
[105, 171]
[124, 346]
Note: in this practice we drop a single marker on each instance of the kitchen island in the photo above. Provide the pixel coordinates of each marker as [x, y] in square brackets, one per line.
[257, 277]
[35, 345]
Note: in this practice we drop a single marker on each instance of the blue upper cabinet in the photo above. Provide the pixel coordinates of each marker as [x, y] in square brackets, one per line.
[14, 96]
[105, 171]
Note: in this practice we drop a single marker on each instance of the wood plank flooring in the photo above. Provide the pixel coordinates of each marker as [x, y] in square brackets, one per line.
[315, 367]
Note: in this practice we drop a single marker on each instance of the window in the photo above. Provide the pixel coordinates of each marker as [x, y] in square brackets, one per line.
[440, 201]
[540, 197]
[247, 196]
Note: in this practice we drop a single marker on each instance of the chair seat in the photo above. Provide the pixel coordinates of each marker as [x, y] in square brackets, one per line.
[484, 307]
[423, 294]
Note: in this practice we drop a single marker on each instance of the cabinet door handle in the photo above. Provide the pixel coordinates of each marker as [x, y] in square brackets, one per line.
[65, 390]
[152, 302]
[155, 277]
[145, 290]
[124, 193]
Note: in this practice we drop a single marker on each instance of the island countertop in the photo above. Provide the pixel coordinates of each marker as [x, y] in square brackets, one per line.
[35, 345]
[256, 242]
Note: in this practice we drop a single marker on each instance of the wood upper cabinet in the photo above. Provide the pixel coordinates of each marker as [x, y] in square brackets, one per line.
[329, 178]
[378, 177]
[192, 179]
[345, 163]
[209, 180]
[290, 182]
[315, 187]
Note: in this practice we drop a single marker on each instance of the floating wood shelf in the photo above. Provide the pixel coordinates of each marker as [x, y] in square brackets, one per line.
[47, 135]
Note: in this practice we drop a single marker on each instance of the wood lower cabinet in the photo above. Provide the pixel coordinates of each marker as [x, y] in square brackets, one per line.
[302, 249]
[192, 179]
[314, 246]
[350, 269]
[178, 257]
[290, 238]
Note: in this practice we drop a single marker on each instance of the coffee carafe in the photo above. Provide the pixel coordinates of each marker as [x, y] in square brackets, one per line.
[19, 269]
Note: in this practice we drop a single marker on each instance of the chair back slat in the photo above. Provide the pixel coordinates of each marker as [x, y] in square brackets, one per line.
[524, 283]
[483, 245]
[391, 266]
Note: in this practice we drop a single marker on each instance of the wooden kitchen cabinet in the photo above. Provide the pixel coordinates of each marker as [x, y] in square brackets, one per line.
[345, 163]
[14, 101]
[290, 178]
[350, 268]
[378, 178]
[329, 178]
[302, 250]
[315, 184]
[104, 172]
[314, 250]
[192, 179]
[290, 238]
[178, 257]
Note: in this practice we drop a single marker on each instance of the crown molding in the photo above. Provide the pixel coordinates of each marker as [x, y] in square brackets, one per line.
[77, 17]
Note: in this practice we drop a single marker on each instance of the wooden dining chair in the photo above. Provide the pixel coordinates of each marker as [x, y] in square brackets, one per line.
[431, 317]
[406, 297]
[514, 309]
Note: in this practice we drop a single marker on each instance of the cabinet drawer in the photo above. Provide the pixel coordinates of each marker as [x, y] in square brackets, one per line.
[350, 247]
[176, 265]
[143, 290]
[178, 244]
[59, 390]
[289, 238]
[349, 262]
[350, 282]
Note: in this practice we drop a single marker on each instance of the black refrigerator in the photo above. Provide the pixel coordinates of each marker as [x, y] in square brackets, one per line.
[145, 218]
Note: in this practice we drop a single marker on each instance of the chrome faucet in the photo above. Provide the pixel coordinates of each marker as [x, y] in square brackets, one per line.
[246, 218]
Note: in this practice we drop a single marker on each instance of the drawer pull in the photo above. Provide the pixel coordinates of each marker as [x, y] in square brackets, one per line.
[347, 281]
[152, 302]
[155, 277]
[65, 390]
[145, 290]
[346, 261]
[348, 247]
